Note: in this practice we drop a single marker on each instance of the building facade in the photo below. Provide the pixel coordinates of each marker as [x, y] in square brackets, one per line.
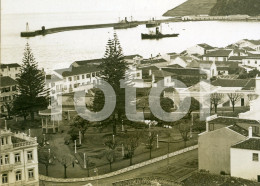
[12, 70]
[18, 159]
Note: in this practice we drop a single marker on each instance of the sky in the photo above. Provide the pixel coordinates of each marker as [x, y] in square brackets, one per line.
[53, 6]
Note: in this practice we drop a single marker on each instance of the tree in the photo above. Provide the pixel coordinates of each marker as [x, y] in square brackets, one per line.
[184, 130]
[166, 104]
[46, 157]
[99, 100]
[199, 126]
[111, 157]
[131, 142]
[65, 161]
[31, 85]
[151, 139]
[252, 97]
[111, 143]
[8, 106]
[194, 105]
[113, 68]
[80, 124]
[215, 100]
[233, 97]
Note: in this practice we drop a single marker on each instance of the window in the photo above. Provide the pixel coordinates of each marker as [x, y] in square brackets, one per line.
[255, 157]
[255, 62]
[13, 88]
[30, 173]
[97, 73]
[77, 77]
[255, 129]
[138, 75]
[6, 159]
[248, 62]
[93, 74]
[88, 75]
[70, 78]
[65, 87]
[18, 176]
[1, 160]
[83, 76]
[17, 157]
[4, 178]
[29, 155]
[2, 141]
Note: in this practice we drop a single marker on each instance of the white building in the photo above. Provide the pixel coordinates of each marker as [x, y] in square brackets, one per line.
[12, 70]
[200, 49]
[245, 158]
[218, 55]
[18, 159]
[252, 61]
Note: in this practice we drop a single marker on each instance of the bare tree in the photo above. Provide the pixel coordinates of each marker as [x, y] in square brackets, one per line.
[111, 157]
[184, 130]
[66, 161]
[131, 142]
[151, 139]
[233, 97]
[215, 100]
[80, 124]
[46, 157]
[111, 143]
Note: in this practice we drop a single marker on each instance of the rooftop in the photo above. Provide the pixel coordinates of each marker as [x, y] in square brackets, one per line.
[133, 56]
[161, 73]
[230, 82]
[7, 81]
[240, 130]
[250, 144]
[184, 71]
[205, 46]
[255, 42]
[232, 121]
[218, 53]
[77, 70]
[88, 62]
[11, 65]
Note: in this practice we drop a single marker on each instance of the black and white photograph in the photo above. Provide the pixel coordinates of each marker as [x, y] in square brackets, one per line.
[130, 93]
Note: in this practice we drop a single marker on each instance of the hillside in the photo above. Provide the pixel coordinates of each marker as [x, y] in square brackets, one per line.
[231, 7]
[192, 7]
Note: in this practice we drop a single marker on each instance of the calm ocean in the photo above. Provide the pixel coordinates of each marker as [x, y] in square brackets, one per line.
[61, 49]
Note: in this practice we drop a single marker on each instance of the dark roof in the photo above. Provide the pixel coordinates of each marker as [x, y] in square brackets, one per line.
[11, 65]
[250, 85]
[78, 70]
[222, 68]
[251, 144]
[236, 58]
[252, 56]
[175, 66]
[231, 64]
[151, 61]
[240, 130]
[218, 53]
[200, 64]
[52, 78]
[248, 48]
[161, 73]
[232, 121]
[230, 82]
[7, 81]
[88, 62]
[184, 71]
[205, 46]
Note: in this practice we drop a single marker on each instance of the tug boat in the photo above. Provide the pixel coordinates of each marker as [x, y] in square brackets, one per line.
[157, 35]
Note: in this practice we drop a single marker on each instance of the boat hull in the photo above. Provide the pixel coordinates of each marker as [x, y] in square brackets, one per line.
[125, 26]
[158, 36]
[150, 25]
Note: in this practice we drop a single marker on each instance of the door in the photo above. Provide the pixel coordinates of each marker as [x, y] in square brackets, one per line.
[258, 178]
[242, 102]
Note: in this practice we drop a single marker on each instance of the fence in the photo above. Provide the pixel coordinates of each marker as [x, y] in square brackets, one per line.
[130, 168]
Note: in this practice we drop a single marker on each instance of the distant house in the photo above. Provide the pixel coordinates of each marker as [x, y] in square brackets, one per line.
[86, 62]
[255, 44]
[208, 66]
[252, 60]
[218, 55]
[158, 62]
[12, 70]
[8, 89]
[200, 49]
[245, 159]
[183, 61]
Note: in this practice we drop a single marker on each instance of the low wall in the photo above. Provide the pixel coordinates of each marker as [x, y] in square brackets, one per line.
[130, 168]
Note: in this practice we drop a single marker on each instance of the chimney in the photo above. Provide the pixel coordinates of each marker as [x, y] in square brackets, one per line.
[207, 126]
[250, 133]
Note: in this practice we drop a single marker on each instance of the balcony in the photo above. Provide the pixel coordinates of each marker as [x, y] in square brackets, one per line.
[7, 167]
[23, 144]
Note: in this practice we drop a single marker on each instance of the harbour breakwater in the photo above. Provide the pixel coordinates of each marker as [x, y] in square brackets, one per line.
[45, 31]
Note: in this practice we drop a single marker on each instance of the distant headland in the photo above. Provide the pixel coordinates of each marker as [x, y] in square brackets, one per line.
[216, 8]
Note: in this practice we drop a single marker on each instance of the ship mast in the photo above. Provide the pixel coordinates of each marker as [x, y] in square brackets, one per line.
[27, 27]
